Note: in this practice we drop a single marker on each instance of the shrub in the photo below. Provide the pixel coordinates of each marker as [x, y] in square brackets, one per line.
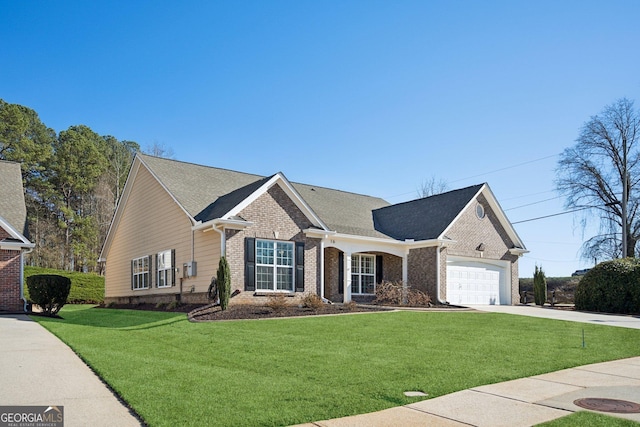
[223, 278]
[539, 286]
[351, 305]
[49, 291]
[611, 287]
[389, 293]
[86, 288]
[392, 293]
[277, 302]
[312, 301]
[418, 298]
[173, 305]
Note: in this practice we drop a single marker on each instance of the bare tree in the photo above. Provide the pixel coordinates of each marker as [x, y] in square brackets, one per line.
[432, 186]
[159, 150]
[592, 173]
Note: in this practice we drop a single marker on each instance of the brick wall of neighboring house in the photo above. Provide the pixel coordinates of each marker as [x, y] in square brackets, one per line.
[10, 281]
[275, 217]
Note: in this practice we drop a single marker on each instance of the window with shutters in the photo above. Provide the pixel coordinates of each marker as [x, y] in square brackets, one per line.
[164, 269]
[363, 274]
[140, 273]
[274, 265]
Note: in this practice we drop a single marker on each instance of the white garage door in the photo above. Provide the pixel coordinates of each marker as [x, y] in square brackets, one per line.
[473, 283]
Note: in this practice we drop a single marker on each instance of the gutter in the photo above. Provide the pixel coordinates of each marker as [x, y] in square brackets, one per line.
[438, 275]
[22, 253]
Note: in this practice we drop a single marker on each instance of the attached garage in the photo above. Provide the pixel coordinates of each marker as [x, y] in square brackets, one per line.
[471, 281]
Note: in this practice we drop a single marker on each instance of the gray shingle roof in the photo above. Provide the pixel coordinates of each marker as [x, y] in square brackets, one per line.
[423, 219]
[207, 193]
[12, 206]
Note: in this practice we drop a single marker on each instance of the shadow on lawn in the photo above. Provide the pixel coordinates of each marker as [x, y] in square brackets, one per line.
[115, 319]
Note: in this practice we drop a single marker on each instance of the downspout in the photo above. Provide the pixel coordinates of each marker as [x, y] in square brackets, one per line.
[438, 275]
[322, 269]
[223, 240]
[22, 253]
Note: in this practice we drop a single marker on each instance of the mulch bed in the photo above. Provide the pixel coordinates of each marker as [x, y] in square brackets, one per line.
[237, 312]
[182, 308]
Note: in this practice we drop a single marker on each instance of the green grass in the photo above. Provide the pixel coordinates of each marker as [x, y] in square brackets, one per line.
[288, 371]
[589, 419]
[85, 287]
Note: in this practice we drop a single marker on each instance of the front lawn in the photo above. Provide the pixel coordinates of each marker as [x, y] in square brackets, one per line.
[288, 371]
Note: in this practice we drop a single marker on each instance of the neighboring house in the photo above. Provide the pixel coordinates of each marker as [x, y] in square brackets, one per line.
[13, 243]
[176, 219]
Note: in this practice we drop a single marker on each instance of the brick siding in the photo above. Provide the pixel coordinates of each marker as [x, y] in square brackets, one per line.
[10, 282]
[275, 217]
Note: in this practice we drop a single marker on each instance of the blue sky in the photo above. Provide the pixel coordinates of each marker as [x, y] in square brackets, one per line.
[371, 97]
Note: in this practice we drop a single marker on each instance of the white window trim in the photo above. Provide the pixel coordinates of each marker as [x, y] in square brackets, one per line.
[141, 274]
[166, 271]
[275, 266]
[360, 274]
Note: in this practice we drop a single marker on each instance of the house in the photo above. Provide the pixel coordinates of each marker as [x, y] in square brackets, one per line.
[13, 243]
[176, 219]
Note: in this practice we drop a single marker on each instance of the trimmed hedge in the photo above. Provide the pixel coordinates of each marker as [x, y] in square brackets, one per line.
[86, 288]
[49, 291]
[611, 287]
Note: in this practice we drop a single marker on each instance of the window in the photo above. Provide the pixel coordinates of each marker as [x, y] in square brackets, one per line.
[274, 265]
[164, 269]
[140, 273]
[480, 211]
[363, 274]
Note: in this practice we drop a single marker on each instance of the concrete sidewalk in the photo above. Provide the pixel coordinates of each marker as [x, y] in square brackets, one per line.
[38, 369]
[522, 402]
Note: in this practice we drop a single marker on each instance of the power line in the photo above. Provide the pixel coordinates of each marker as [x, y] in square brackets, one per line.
[532, 203]
[549, 216]
[486, 173]
[527, 195]
[507, 168]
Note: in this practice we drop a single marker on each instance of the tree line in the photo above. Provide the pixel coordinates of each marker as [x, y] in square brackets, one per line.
[73, 181]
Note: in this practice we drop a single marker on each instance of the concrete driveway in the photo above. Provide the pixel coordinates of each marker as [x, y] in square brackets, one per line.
[38, 369]
[624, 321]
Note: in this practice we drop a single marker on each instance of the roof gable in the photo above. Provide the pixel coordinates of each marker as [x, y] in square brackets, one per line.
[426, 218]
[207, 193]
[12, 205]
[431, 217]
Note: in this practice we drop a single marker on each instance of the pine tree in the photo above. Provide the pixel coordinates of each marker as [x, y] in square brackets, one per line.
[539, 286]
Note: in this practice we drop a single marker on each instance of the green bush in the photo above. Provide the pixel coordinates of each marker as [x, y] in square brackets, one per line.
[86, 288]
[611, 287]
[49, 291]
[223, 277]
[539, 286]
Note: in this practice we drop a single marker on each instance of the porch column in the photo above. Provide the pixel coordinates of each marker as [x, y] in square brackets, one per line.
[347, 277]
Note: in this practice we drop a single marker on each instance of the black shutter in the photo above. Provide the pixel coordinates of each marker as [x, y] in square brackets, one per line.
[132, 261]
[379, 269]
[341, 273]
[299, 266]
[249, 264]
[173, 267]
[155, 269]
[150, 271]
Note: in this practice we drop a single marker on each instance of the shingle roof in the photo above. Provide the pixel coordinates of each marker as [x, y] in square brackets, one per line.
[12, 206]
[207, 193]
[426, 218]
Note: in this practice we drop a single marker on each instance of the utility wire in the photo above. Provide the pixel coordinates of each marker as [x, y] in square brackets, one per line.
[533, 203]
[549, 216]
[506, 168]
[485, 173]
